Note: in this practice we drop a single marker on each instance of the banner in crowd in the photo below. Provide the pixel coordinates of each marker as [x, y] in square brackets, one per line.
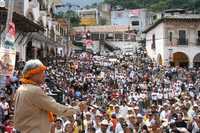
[10, 37]
[7, 62]
[7, 54]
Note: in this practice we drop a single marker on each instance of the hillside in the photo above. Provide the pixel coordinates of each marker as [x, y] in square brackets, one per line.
[157, 5]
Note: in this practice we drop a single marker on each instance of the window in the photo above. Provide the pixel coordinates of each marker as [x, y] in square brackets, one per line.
[182, 34]
[198, 34]
[182, 38]
[95, 36]
[198, 38]
[135, 23]
[154, 17]
[170, 36]
[153, 46]
[118, 36]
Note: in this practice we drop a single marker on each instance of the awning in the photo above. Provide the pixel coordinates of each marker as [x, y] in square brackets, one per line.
[21, 22]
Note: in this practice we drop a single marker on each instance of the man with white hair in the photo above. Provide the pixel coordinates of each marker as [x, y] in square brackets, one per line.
[33, 108]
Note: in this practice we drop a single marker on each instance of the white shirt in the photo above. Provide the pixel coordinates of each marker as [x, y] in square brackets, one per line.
[160, 95]
[195, 127]
[118, 128]
[123, 110]
[163, 115]
[154, 96]
[5, 107]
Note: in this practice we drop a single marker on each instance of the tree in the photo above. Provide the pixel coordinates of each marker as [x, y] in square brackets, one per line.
[70, 15]
[156, 5]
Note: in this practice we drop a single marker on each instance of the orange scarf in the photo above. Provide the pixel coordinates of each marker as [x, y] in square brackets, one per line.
[26, 81]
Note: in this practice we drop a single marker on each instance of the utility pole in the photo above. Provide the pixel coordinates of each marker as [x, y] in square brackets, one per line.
[68, 37]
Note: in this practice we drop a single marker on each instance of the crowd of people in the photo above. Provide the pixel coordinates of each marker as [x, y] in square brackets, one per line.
[126, 95]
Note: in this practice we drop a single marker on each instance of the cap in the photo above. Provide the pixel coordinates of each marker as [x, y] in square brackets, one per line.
[120, 116]
[104, 122]
[116, 105]
[130, 108]
[87, 113]
[111, 105]
[139, 116]
[99, 114]
[136, 108]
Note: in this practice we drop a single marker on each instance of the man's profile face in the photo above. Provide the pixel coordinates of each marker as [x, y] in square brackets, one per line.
[42, 77]
[39, 78]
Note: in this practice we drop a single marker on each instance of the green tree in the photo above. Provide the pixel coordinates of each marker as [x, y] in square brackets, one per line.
[70, 15]
[157, 5]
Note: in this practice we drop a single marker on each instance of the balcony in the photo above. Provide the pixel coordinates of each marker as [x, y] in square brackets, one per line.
[182, 41]
[198, 42]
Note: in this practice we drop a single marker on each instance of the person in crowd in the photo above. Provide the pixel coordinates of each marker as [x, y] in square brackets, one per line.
[144, 96]
[33, 108]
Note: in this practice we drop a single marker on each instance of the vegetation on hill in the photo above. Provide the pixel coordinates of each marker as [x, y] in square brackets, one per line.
[156, 5]
[71, 16]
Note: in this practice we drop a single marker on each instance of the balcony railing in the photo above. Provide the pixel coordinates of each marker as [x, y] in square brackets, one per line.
[198, 42]
[182, 41]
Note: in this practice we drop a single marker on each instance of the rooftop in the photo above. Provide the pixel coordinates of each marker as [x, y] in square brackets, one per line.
[22, 23]
[184, 17]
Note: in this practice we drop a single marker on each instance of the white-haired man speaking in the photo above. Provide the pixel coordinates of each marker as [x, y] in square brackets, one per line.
[32, 106]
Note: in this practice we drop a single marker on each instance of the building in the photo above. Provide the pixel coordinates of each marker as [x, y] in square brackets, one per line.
[175, 39]
[36, 35]
[139, 19]
[100, 15]
[89, 17]
[104, 14]
[61, 35]
[113, 37]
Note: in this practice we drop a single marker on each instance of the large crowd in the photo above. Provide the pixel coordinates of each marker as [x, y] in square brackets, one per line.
[125, 94]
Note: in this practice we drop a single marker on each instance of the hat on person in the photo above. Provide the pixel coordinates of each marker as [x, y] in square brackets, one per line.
[104, 122]
[111, 105]
[117, 106]
[120, 116]
[136, 108]
[33, 67]
[130, 108]
[99, 114]
[139, 116]
[95, 106]
[88, 114]
[195, 105]
[165, 104]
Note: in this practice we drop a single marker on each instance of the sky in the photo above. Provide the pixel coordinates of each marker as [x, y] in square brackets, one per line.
[83, 3]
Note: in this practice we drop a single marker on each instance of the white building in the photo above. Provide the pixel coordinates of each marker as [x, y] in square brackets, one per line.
[36, 34]
[139, 19]
[175, 40]
[115, 37]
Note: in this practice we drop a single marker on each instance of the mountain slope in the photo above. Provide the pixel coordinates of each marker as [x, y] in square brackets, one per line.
[157, 5]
